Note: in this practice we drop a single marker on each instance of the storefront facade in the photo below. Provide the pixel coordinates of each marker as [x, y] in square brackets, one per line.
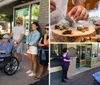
[32, 10]
[36, 10]
[84, 57]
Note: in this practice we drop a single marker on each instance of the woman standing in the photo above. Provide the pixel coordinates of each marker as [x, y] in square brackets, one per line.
[44, 52]
[31, 47]
[65, 64]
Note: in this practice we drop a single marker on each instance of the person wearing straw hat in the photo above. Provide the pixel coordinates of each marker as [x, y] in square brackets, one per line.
[5, 46]
[17, 34]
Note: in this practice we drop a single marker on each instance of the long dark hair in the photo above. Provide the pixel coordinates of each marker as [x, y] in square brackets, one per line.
[64, 50]
[46, 25]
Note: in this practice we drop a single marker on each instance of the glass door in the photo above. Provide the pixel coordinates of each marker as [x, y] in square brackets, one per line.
[35, 11]
[78, 57]
[83, 55]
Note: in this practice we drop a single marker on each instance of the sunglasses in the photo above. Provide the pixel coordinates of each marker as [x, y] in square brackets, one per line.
[46, 28]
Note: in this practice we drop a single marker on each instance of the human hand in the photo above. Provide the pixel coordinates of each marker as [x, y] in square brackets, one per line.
[79, 13]
[27, 47]
[2, 51]
[52, 6]
[15, 45]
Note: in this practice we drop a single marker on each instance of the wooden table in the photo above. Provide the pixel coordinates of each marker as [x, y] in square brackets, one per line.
[76, 35]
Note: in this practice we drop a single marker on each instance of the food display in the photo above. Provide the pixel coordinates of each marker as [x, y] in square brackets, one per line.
[65, 33]
[64, 28]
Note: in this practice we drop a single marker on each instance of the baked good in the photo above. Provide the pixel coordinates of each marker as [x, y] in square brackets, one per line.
[86, 28]
[57, 27]
[82, 28]
[67, 32]
[61, 26]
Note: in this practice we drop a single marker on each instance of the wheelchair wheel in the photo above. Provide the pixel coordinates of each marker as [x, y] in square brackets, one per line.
[11, 66]
[1, 67]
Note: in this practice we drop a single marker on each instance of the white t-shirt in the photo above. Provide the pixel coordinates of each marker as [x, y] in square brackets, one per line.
[57, 16]
[17, 31]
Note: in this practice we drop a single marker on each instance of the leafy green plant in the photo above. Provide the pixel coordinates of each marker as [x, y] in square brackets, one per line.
[36, 11]
[7, 18]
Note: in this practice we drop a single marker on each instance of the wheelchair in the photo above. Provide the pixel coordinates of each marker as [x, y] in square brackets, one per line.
[9, 65]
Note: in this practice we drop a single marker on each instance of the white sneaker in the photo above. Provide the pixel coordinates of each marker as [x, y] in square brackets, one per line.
[19, 68]
[15, 67]
[32, 74]
[29, 71]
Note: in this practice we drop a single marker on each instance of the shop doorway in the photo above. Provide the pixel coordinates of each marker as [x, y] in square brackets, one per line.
[83, 57]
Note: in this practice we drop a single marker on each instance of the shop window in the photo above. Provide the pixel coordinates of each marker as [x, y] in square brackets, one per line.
[24, 12]
[35, 11]
[99, 50]
[89, 52]
[56, 50]
[95, 52]
[56, 55]
[82, 52]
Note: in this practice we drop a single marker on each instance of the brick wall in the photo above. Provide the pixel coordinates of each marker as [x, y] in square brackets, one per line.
[44, 13]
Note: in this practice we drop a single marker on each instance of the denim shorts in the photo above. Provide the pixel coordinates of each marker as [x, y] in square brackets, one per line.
[20, 48]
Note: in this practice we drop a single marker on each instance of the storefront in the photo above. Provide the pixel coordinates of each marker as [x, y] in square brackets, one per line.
[29, 10]
[84, 57]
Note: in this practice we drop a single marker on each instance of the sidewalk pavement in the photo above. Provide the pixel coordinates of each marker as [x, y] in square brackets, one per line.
[20, 78]
[84, 78]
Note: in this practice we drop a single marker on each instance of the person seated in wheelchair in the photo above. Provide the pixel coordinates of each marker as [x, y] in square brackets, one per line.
[5, 47]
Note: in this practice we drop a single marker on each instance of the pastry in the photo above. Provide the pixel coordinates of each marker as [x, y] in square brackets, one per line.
[82, 28]
[61, 26]
[57, 27]
[67, 32]
[86, 28]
